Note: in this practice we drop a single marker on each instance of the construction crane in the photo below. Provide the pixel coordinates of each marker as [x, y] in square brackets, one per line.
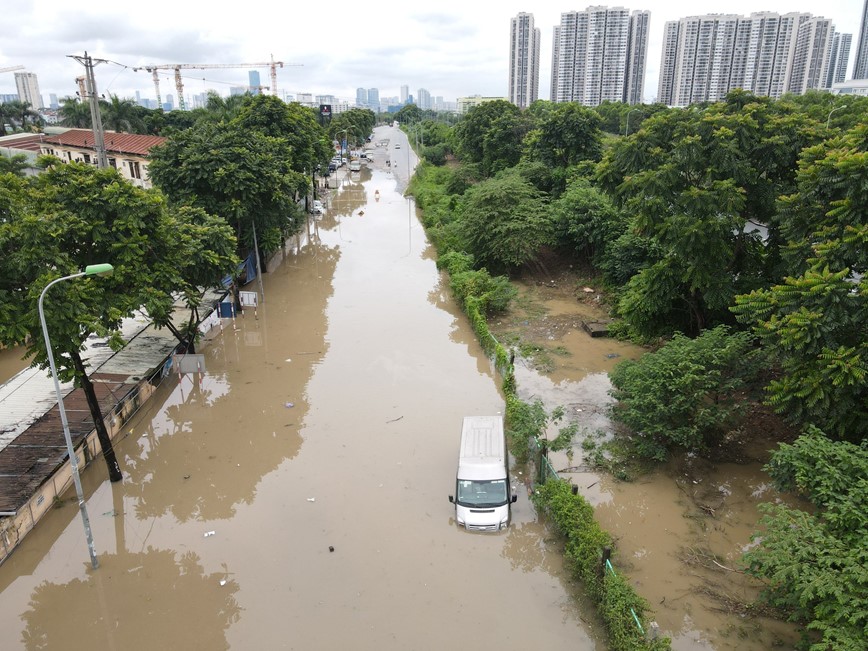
[11, 68]
[179, 84]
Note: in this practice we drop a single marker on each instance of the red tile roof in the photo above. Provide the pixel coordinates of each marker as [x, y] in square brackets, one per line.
[122, 143]
[26, 142]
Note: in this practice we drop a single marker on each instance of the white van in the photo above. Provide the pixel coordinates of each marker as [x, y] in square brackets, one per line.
[483, 496]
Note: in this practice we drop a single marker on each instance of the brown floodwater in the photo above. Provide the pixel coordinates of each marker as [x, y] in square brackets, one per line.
[295, 495]
[680, 530]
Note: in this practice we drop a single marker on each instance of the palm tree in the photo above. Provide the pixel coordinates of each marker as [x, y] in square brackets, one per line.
[223, 109]
[75, 113]
[121, 115]
[22, 113]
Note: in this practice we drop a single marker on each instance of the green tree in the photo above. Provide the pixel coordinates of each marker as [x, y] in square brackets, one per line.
[815, 323]
[293, 123]
[243, 176]
[15, 164]
[72, 216]
[21, 113]
[409, 113]
[687, 394]
[505, 222]
[586, 221]
[568, 134]
[74, 113]
[121, 115]
[814, 564]
[471, 132]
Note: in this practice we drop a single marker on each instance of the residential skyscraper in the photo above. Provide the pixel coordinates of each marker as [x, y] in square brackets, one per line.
[769, 54]
[838, 59]
[423, 99]
[28, 89]
[405, 94]
[361, 97]
[556, 40]
[374, 99]
[524, 42]
[600, 55]
[860, 69]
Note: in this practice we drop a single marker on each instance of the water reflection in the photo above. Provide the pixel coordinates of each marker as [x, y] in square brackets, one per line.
[115, 607]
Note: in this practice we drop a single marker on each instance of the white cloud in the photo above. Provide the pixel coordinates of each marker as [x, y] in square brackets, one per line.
[450, 48]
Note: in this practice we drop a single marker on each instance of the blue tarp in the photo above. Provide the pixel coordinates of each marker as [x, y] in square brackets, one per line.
[247, 269]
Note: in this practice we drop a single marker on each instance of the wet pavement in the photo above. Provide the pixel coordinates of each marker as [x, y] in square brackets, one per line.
[295, 495]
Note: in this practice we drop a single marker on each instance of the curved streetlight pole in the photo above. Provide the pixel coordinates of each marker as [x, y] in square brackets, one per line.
[90, 270]
[627, 127]
[837, 108]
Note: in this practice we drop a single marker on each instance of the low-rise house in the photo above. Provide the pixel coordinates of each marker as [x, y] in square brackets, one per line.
[126, 152]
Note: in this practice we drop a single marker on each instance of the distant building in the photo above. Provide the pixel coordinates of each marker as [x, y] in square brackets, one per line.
[556, 41]
[467, 103]
[405, 94]
[600, 56]
[860, 69]
[52, 101]
[28, 89]
[838, 59]
[127, 153]
[424, 99]
[361, 97]
[374, 99]
[253, 82]
[858, 87]
[524, 43]
[768, 54]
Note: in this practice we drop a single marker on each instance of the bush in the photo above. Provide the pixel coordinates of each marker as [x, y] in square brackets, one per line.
[687, 394]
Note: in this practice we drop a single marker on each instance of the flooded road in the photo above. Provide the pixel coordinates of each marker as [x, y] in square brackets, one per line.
[680, 530]
[295, 496]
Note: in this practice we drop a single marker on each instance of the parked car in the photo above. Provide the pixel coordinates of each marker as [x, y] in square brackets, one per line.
[317, 208]
[355, 165]
[333, 167]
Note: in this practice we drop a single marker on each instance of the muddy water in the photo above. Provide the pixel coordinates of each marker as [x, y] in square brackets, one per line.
[681, 530]
[11, 362]
[329, 420]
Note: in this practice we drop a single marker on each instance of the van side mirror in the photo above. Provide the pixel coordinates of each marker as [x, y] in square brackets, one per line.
[451, 499]
[514, 499]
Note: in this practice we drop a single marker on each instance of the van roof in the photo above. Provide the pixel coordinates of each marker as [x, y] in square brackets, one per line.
[483, 448]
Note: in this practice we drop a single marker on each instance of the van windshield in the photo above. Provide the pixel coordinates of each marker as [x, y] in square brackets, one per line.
[482, 493]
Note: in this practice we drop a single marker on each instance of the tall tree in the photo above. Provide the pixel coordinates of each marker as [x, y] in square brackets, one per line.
[74, 113]
[816, 321]
[471, 131]
[506, 222]
[243, 176]
[121, 115]
[568, 134]
[75, 215]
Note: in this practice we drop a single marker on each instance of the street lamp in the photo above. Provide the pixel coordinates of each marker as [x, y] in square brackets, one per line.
[627, 128]
[837, 108]
[90, 270]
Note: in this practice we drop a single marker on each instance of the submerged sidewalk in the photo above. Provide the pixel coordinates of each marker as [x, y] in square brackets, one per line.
[34, 468]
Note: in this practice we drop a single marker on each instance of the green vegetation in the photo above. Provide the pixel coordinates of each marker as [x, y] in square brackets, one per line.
[687, 394]
[814, 563]
[733, 235]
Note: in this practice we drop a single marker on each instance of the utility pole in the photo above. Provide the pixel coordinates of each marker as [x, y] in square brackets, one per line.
[95, 115]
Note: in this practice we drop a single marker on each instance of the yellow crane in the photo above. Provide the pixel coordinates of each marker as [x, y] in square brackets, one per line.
[179, 83]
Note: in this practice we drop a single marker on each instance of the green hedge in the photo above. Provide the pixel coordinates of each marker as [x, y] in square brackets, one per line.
[616, 599]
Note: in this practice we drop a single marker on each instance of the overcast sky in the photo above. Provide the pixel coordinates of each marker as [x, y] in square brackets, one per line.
[451, 48]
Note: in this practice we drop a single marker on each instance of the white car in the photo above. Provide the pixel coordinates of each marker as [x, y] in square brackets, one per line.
[317, 208]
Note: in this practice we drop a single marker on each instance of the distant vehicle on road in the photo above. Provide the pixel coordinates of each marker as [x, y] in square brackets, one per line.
[355, 165]
[397, 145]
[317, 208]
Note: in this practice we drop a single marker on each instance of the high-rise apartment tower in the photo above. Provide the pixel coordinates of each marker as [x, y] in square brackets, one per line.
[524, 42]
[28, 89]
[860, 69]
[599, 54]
